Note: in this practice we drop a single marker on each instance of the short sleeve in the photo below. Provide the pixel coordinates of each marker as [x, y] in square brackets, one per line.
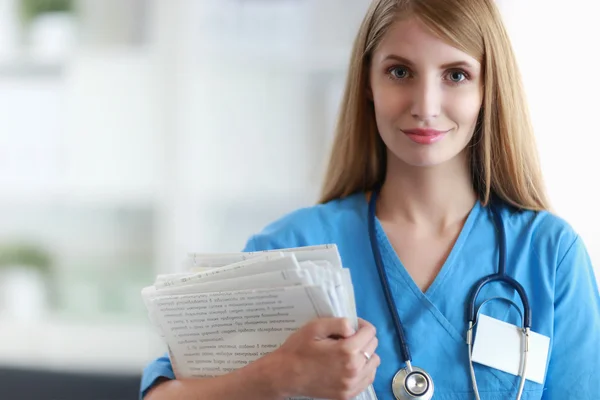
[265, 242]
[574, 366]
[250, 245]
[159, 368]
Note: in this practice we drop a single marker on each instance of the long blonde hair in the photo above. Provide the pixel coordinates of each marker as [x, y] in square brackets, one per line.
[503, 151]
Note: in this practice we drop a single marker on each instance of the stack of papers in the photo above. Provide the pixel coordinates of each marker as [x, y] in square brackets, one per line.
[231, 309]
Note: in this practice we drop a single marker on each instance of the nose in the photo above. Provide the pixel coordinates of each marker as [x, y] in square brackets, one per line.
[427, 100]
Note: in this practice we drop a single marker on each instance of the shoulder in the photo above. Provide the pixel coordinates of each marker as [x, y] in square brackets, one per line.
[318, 224]
[549, 235]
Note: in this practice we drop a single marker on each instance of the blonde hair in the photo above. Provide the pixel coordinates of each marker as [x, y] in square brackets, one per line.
[503, 151]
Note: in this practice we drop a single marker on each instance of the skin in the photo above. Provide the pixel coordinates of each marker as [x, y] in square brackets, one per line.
[420, 90]
[419, 81]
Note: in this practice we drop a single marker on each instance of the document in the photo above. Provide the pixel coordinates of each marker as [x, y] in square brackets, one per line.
[228, 310]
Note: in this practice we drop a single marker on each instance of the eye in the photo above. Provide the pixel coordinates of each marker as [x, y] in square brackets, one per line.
[399, 72]
[457, 76]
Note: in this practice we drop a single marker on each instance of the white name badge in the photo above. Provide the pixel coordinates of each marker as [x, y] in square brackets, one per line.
[499, 345]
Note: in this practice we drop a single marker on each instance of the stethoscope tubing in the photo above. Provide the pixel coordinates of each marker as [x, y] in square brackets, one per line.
[500, 276]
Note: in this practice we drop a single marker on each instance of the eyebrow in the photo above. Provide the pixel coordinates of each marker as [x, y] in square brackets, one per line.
[455, 64]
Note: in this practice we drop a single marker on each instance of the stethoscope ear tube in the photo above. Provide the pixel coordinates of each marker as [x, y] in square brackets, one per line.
[501, 275]
[471, 313]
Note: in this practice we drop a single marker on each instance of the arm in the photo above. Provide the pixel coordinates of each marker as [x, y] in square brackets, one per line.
[258, 380]
[574, 367]
[324, 359]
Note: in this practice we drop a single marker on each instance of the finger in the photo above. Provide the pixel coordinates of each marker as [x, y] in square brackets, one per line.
[323, 328]
[363, 322]
[361, 387]
[369, 374]
[361, 338]
[373, 363]
[370, 368]
[370, 348]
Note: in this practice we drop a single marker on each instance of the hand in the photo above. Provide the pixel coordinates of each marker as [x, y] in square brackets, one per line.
[326, 359]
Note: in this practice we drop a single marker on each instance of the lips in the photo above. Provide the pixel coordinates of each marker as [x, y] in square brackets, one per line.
[425, 136]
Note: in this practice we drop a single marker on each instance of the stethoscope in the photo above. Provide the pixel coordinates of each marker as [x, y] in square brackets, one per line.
[414, 383]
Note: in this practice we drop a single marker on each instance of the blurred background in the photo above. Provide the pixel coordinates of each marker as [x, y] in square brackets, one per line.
[135, 131]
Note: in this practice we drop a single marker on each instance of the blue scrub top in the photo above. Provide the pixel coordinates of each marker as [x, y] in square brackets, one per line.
[545, 255]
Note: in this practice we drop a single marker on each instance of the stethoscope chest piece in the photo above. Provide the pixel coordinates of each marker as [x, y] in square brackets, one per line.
[416, 384]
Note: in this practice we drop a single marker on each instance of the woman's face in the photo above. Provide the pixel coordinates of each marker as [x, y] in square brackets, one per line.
[426, 93]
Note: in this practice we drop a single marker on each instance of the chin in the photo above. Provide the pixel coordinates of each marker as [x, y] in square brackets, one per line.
[424, 159]
[423, 163]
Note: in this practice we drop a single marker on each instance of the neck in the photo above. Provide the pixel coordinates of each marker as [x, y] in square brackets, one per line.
[437, 197]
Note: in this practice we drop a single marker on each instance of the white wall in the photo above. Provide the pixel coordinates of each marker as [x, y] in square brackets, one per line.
[247, 97]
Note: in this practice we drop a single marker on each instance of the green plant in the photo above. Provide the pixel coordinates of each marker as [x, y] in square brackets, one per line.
[25, 255]
[32, 8]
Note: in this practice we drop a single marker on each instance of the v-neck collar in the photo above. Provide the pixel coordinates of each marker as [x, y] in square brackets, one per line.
[386, 247]
[396, 271]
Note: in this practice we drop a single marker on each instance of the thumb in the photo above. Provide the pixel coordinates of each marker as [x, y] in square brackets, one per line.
[336, 328]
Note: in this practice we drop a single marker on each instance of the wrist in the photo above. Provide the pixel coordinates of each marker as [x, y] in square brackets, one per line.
[268, 373]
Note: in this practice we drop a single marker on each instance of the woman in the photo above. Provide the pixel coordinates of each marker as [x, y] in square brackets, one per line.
[435, 136]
